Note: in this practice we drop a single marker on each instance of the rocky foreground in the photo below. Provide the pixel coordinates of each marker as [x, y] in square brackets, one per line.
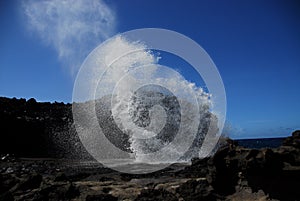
[233, 173]
[41, 158]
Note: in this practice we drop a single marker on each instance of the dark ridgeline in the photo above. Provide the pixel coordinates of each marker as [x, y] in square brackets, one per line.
[32, 129]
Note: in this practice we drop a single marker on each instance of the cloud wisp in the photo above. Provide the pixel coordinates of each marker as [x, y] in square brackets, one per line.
[72, 27]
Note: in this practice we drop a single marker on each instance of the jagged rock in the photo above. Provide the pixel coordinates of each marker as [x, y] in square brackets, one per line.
[7, 181]
[31, 182]
[269, 170]
[224, 170]
[156, 195]
[293, 141]
[61, 177]
[57, 191]
[196, 189]
[263, 162]
[289, 155]
[101, 197]
[7, 196]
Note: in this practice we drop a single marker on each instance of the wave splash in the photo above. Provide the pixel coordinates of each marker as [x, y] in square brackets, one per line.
[148, 110]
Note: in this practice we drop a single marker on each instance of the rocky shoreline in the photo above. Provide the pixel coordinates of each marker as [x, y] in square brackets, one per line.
[232, 173]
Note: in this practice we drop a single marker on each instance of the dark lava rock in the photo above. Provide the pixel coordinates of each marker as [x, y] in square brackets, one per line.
[290, 149]
[156, 195]
[101, 197]
[196, 190]
[199, 168]
[7, 181]
[224, 170]
[275, 171]
[63, 191]
[293, 141]
[33, 129]
[61, 177]
[32, 182]
[7, 196]
[264, 162]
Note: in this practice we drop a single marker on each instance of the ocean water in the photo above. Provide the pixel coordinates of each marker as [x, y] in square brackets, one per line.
[260, 143]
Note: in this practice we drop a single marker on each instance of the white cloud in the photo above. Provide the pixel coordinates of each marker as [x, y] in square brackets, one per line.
[72, 27]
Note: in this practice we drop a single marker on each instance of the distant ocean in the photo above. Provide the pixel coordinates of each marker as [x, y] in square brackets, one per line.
[260, 143]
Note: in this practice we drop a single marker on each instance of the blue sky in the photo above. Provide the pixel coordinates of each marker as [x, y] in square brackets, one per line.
[255, 45]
